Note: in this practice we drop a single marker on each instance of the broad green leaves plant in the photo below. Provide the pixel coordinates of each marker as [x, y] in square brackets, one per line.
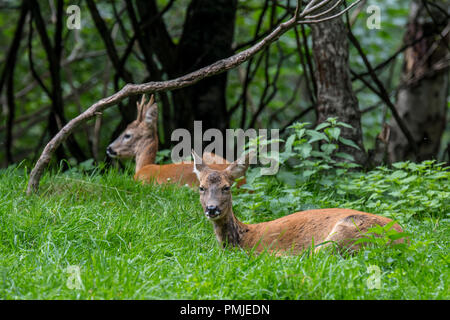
[316, 151]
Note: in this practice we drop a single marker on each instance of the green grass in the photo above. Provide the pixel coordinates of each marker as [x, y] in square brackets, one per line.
[133, 241]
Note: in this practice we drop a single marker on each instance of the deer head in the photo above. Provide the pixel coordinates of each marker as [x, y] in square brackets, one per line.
[215, 186]
[140, 138]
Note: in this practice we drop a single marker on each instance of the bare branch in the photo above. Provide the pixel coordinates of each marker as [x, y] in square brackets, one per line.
[183, 81]
[325, 12]
[297, 117]
[8, 77]
[381, 92]
[309, 21]
[12, 52]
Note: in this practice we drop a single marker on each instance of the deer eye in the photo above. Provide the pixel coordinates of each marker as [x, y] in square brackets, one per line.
[127, 136]
[201, 189]
[226, 189]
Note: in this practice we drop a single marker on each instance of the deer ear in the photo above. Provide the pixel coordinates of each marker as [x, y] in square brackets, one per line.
[238, 168]
[151, 111]
[151, 114]
[199, 166]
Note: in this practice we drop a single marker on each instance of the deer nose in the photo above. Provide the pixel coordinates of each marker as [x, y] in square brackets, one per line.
[110, 152]
[212, 211]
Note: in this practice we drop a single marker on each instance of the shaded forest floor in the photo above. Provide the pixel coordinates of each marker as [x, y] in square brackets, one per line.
[130, 241]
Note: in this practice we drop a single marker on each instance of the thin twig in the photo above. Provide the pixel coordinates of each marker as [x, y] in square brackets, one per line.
[381, 92]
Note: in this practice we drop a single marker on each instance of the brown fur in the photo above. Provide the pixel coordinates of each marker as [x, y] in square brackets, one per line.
[140, 139]
[180, 173]
[143, 145]
[292, 233]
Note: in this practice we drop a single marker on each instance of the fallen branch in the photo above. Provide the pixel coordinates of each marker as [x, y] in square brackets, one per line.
[300, 17]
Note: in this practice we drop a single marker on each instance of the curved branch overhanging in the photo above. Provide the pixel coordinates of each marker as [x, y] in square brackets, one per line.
[300, 17]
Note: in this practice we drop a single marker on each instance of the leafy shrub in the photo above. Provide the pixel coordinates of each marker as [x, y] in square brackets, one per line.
[315, 174]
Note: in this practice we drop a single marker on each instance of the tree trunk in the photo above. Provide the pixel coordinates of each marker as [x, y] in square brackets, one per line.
[207, 37]
[8, 77]
[422, 96]
[335, 97]
[56, 119]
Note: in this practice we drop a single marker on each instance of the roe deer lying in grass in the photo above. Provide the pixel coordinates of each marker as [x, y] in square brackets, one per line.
[296, 232]
[140, 141]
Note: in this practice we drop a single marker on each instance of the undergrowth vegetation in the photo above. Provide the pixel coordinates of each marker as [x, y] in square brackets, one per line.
[97, 234]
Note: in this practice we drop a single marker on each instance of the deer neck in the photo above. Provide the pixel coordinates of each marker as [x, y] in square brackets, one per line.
[147, 154]
[230, 230]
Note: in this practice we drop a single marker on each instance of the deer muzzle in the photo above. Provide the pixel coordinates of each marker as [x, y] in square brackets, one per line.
[110, 152]
[212, 212]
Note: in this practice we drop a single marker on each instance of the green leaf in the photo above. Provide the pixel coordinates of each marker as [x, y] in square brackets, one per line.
[412, 166]
[398, 175]
[343, 124]
[308, 173]
[316, 136]
[287, 149]
[298, 125]
[349, 143]
[348, 165]
[322, 125]
[300, 133]
[376, 230]
[332, 120]
[326, 182]
[345, 156]
[318, 154]
[398, 235]
[400, 165]
[288, 177]
[390, 260]
[408, 180]
[304, 150]
[289, 142]
[333, 132]
[389, 225]
[328, 148]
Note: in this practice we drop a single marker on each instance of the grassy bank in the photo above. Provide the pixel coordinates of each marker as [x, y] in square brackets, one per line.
[132, 241]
